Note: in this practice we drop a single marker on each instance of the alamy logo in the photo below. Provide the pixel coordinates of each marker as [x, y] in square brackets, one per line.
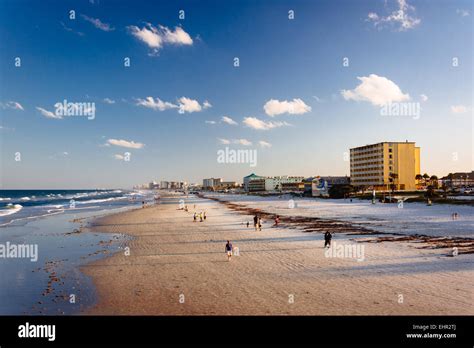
[75, 109]
[410, 109]
[19, 251]
[346, 251]
[240, 156]
[37, 331]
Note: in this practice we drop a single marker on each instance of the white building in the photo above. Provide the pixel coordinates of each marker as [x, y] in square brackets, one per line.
[211, 183]
[276, 183]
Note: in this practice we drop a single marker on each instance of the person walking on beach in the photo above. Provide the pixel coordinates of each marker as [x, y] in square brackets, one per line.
[260, 224]
[194, 216]
[277, 220]
[327, 239]
[204, 216]
[228, 250]
[255, 221]
[200, 217]
[248, 223]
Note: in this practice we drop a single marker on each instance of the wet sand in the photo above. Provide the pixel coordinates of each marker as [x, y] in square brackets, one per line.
[179, 267]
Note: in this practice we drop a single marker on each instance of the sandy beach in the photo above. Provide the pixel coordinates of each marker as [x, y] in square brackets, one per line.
[179, 267]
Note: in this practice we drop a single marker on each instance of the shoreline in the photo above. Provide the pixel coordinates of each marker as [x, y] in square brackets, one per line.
[63, 247]
[177, 267]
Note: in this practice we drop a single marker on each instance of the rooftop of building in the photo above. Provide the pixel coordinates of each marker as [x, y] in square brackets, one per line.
[384, 142]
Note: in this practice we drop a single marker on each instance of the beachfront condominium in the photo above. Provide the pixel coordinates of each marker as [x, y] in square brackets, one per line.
[386, 165]
[211, 183]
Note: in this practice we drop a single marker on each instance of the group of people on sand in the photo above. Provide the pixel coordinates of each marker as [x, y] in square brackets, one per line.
[257, 222]
[202, 216]
[454, 216]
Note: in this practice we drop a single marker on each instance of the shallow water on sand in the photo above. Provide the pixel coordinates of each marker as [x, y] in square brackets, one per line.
[52, 284]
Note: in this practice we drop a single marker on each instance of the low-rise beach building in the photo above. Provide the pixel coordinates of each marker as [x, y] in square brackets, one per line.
[458, 180]
[211, 183]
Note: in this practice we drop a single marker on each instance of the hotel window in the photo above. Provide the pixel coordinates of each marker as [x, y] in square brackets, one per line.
[390, 150]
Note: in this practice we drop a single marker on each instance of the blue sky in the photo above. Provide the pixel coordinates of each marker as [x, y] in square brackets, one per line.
[400, 51]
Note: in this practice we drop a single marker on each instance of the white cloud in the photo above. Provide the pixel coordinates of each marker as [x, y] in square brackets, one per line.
[258, 124]
[210, 122]
[376, 89]
[98, 23]
[423, 97]
[177, 37]
[119, 157]
[206, 105]
[295, 107]
[188, 105]
[155, 104]
[224, 141]
[463, 13]
[48, 114]
[12, 105]
[264, 143]
[244, 142]
[125, 143]
[183, 105]
[148, 34]
[155, 38]
[109, 101]
[228, 120]
[403, 17]
[459, 109]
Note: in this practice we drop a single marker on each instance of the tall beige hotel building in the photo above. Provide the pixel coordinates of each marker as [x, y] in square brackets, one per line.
[372, 165]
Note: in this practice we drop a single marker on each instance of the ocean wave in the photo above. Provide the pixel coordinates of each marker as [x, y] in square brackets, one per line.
[5, 199]
[32, 217]
[100, 200]
[11, 209]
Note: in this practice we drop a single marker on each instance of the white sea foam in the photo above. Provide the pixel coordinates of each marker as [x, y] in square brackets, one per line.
[10, 209]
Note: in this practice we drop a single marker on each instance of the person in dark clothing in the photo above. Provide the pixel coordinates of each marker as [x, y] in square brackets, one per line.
[277, 220]
[327, 239]
[255, 220]
[228, 250]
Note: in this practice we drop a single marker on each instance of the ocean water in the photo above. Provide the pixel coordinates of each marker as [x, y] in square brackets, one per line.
[52, 221]
[21, 205]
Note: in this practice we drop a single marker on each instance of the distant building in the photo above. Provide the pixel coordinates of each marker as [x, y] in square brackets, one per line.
[211, 183]
[229, 185]
[321, 184]
[283, 183]
[458, 180]
[251, 177]
[153, 185]
[164, 185]
[376, 165]
[254, 183]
